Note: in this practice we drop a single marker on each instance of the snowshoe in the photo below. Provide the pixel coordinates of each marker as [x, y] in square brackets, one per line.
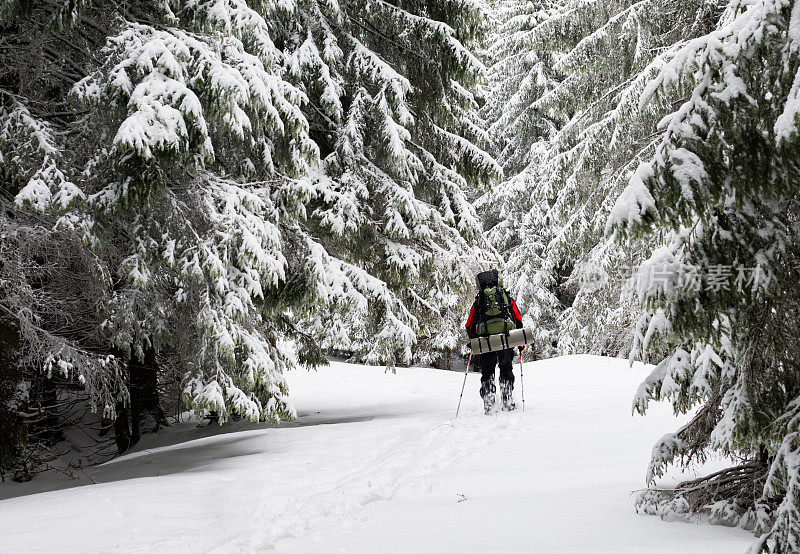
[509, 406]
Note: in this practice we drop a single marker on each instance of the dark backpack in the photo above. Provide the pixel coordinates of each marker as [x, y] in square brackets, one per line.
[493, 306]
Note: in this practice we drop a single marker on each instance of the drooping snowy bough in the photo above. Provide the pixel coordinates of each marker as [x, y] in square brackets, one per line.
[521, 73]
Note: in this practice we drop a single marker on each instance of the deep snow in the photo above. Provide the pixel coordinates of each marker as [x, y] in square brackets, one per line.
[375, 463]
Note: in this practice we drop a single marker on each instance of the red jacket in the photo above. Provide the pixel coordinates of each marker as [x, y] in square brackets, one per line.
[473, 319]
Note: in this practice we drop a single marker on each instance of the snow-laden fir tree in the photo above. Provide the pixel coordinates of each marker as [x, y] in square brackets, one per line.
[519, 75]
[51, 285]
[238, 184]
[721, 295]
[392, 104]
[602, 54]
[183, 180]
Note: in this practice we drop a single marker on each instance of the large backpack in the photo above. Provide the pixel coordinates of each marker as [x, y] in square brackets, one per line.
[493, 306]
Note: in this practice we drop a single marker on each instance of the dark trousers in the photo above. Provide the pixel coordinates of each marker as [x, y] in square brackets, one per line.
[488, 361]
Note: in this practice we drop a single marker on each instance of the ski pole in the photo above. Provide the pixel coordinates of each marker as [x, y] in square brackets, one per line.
[464, 385]
[521, 381]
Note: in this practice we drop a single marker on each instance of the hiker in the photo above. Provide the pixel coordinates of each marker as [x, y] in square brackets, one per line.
[494, 312]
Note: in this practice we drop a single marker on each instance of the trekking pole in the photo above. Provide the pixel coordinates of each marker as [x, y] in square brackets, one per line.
[464, 385]
[521, 381]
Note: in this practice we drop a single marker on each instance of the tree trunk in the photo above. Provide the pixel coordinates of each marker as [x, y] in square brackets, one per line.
[12, 434]
[147, 416]
[143, 414]
[46, 427]
[122, 429]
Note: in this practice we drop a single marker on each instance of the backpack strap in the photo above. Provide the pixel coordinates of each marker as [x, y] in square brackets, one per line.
[502, 300]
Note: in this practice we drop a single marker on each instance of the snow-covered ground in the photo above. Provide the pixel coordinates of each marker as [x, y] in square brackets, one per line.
[375, 463]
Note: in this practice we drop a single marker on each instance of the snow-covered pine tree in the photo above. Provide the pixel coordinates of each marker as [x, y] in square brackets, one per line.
[152, 186]
[392, 103]
[200, 189]
[606, 51]
[182, 177]
[721, 296]
[52, 287]
[516, 234]
[12, 430]
[520, 74]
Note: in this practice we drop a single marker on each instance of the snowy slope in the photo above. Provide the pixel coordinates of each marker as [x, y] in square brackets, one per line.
[375, 463]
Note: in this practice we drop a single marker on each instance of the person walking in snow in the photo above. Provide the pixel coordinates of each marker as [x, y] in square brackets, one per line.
[494, 312]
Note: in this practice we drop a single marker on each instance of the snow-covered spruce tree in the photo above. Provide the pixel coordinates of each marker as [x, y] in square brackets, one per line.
[603, 54]
[391, 106]
[155, 178]
[201, 195]
[516, 234]
[189, 171]
[52, 286]
[519, 76]
[721, 295]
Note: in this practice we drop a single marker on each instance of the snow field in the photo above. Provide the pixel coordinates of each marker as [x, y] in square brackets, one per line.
[375, 463]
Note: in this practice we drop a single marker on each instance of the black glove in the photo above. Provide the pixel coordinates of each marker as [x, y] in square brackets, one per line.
[521, 348]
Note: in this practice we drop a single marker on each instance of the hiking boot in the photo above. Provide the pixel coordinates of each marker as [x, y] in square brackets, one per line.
[488, 395]
[488, 403]
[507, 400]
